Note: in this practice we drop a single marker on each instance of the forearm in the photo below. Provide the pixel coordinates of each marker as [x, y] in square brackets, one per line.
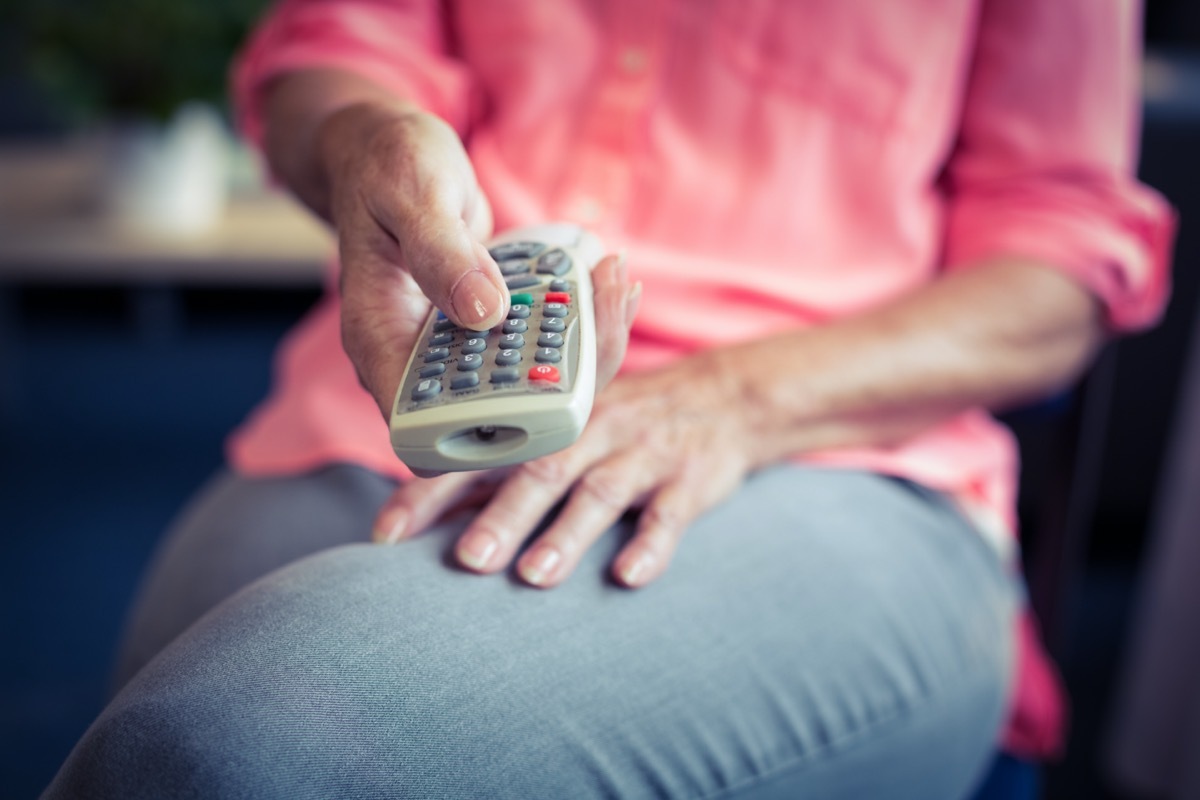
[298, 109]
[996, 335]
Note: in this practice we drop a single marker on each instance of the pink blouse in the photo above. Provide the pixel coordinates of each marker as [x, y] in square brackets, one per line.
[767, 165]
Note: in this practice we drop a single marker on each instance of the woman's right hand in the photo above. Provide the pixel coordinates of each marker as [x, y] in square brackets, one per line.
[410, 221]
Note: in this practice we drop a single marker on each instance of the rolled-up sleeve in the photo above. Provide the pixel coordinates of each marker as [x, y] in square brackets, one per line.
[1044, 165]
[401, 45]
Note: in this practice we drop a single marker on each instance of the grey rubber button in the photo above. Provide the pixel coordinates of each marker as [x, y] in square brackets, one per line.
[512, 340]
[432, 371]
[519, 311]
[469, 362]
[444, 325]
[465, 381]
[554, 325]
[507, 375]
[476, 344]
[522, 281]
[559, 285]
[436, 354]
[518, 266]
[445, 337]
[548, 355]
[426, 389]
[506, 358]
[556, 263]
[550, 340]
[511, 250]
[554, 310]
[514, 326]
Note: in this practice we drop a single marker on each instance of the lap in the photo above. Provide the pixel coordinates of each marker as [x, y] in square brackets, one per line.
[824, 631]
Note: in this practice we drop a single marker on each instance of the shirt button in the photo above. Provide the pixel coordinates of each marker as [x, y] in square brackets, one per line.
[633, 60]
[587, 210]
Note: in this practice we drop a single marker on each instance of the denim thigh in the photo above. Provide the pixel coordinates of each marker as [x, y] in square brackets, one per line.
[823, 633]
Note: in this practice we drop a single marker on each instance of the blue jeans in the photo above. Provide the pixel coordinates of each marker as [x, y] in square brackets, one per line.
[823, 634]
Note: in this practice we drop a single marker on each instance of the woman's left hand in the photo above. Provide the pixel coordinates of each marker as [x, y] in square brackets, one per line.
[670, 441]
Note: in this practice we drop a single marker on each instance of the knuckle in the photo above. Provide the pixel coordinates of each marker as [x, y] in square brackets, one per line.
[549, 470]
[659, 518]
[605, 487]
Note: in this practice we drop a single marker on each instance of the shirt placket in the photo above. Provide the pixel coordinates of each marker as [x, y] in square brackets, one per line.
[601, 180]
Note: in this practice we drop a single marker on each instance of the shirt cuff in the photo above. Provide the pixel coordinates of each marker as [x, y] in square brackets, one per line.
[1112, 237]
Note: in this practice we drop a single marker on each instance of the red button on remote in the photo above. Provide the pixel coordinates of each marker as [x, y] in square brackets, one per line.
[558, 297]
[544, 372]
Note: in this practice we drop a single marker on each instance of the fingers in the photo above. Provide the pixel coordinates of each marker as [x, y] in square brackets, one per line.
[418, 504]
[666, 517]
[519, 505]
[524, 499]
[597, 501]
[661, 526]
[381, 316]
[615, 303]
[455, 271]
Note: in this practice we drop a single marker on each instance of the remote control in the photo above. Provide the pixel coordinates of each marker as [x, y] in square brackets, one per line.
[480, 399]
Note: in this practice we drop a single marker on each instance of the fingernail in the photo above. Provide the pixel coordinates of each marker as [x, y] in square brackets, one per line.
[476, 300]
[633, 301]
[391, 528]
[538, 565]
[633, 574]
[476, 550]
[622, 262]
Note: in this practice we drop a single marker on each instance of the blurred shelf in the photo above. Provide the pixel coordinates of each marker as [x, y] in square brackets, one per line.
[53, 229]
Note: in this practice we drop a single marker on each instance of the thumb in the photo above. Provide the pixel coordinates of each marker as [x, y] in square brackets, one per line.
[455, 271]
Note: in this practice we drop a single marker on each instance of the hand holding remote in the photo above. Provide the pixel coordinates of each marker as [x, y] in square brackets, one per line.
[409, 218]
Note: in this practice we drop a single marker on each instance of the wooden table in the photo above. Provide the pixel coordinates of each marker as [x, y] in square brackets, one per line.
[53, 228]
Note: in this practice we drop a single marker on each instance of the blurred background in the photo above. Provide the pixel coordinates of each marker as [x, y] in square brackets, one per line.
[146, 275]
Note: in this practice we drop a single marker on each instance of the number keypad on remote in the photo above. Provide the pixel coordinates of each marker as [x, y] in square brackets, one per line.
[532, 350]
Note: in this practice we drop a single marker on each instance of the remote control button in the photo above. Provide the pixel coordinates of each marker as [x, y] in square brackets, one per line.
[511, 250]
[426, 389]
[469, 362]
[521, 299]
[544, 372]
[433, 370]
[555, 263]
[558, 297]
[444, 323]
[518, 266]
[507, 375]
[514, 326]
[554, 310]
[559, 285]
[512, 341]
[476, 344]
[550, 355]
[438, 339]
[554, 325]
[465, 381]
[436, 354]
[519, 310]
[522, 281]
[550, 340]
[506, 358]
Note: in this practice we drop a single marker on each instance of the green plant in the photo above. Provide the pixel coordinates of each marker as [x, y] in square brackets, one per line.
[132, 57]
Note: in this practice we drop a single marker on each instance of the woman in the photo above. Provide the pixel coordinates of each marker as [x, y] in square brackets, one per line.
[858, 227]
